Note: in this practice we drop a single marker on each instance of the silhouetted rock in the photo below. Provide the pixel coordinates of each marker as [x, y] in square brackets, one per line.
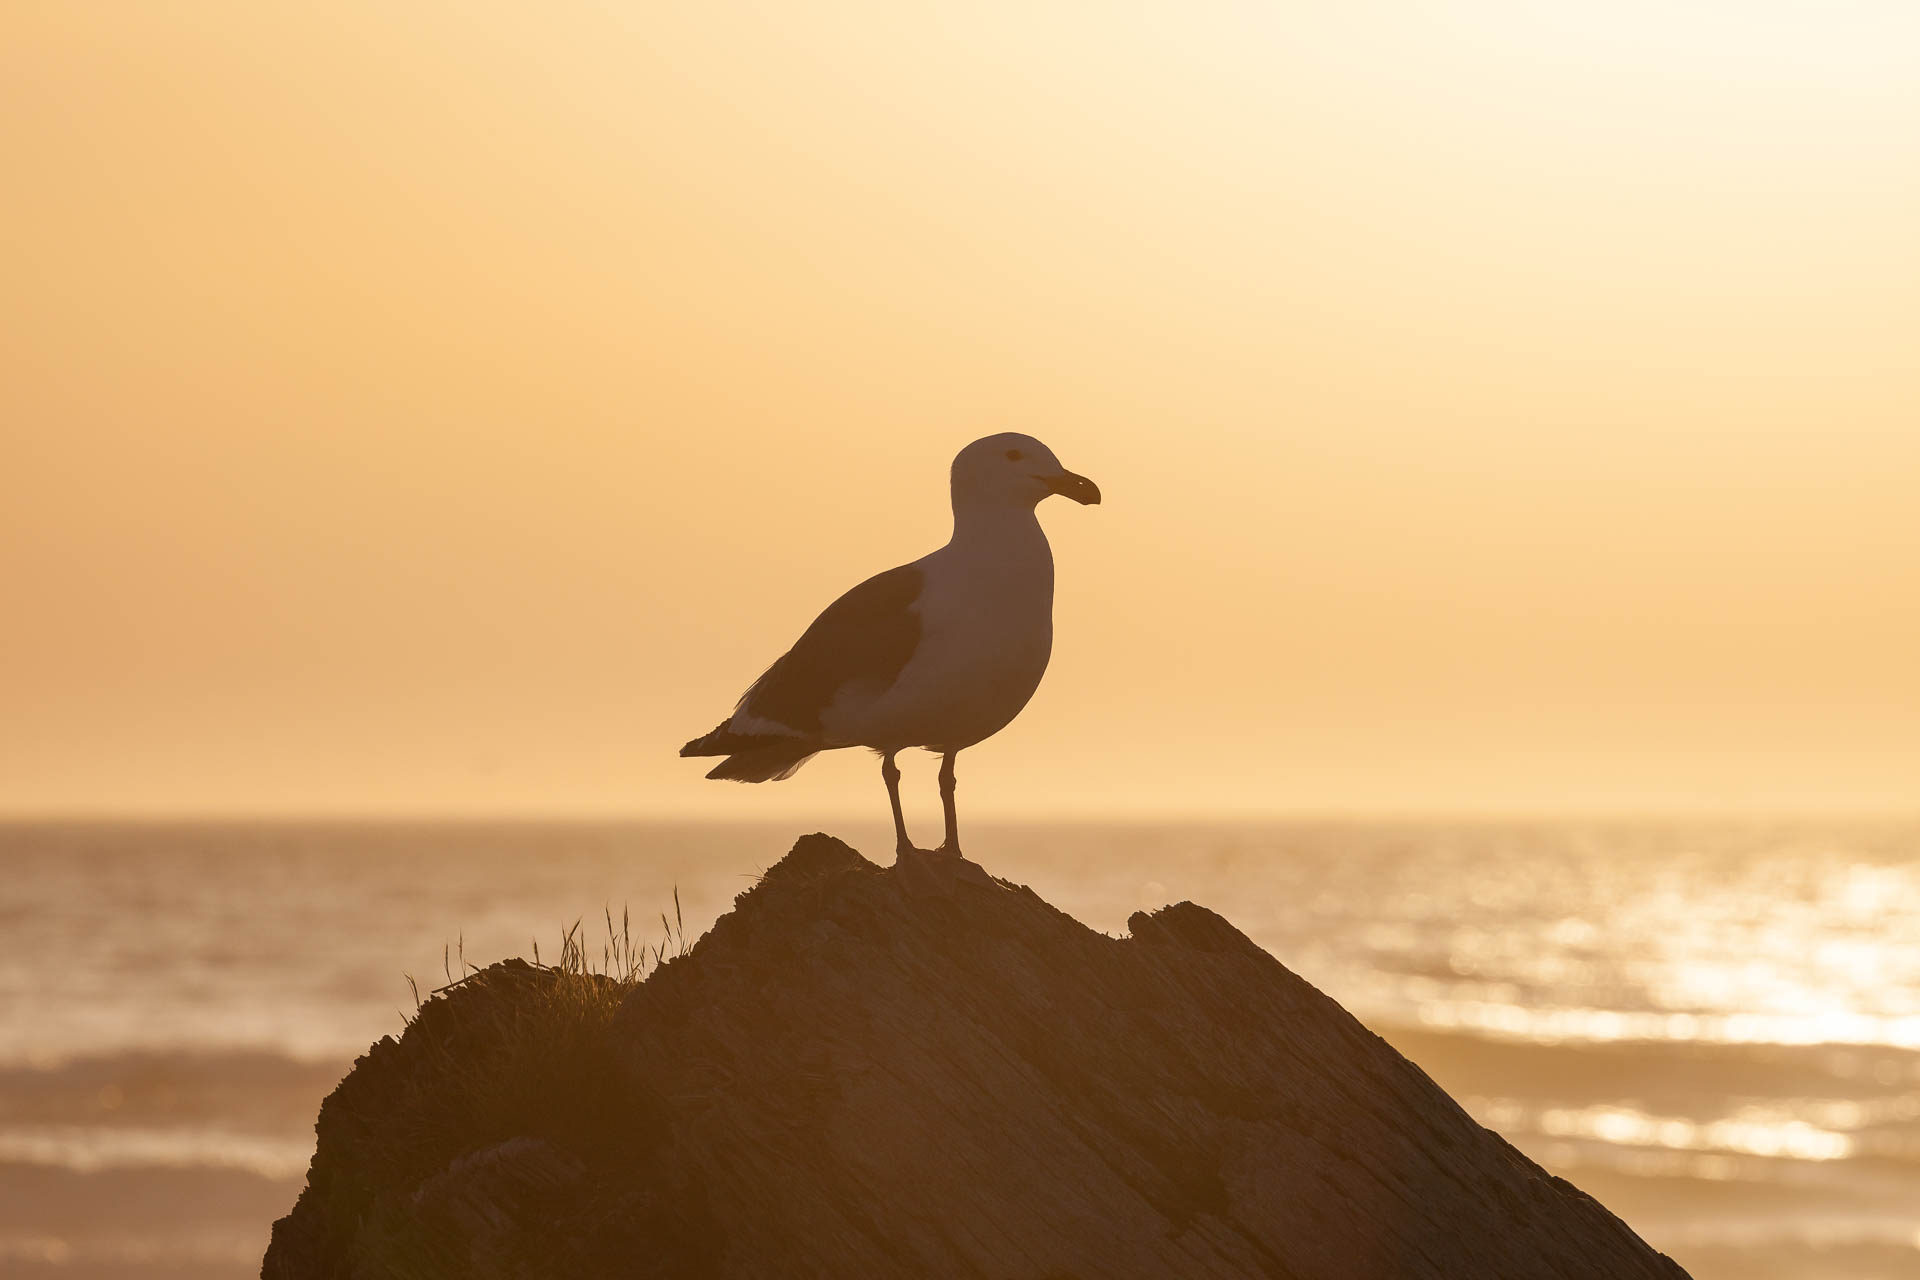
[866, 1073]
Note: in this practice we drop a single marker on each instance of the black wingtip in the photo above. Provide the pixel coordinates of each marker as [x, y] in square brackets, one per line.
[774, 762]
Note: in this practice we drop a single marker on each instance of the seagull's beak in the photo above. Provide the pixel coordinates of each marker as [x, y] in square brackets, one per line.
[1068, 485]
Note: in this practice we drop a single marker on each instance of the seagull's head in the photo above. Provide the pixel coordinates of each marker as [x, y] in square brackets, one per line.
[1016, 471]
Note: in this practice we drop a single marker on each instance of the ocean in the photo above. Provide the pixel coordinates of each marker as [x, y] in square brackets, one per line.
[1713, 1027]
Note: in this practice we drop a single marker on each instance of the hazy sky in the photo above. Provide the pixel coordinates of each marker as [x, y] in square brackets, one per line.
[432, 407]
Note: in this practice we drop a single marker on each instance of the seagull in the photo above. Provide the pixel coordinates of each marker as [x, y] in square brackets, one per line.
[940, 653]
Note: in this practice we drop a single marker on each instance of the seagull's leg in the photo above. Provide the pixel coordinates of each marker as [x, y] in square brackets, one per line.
[952, 843]
[891, 773]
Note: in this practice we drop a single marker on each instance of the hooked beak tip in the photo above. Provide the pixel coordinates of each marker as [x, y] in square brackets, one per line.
[1078, 487]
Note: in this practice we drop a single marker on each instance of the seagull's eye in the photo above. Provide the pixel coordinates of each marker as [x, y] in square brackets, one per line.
[1014, 455]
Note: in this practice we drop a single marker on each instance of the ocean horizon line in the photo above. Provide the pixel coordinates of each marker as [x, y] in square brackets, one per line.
[1155, 818]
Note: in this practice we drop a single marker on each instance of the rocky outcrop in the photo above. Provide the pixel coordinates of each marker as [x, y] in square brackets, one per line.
[879, 1073]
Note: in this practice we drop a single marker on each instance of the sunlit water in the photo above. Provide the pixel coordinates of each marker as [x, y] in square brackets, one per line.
[1714, 1028]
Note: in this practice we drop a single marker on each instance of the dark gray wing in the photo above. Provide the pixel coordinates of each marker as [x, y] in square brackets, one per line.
[864, 637]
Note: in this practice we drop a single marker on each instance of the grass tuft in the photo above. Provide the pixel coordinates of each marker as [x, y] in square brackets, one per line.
[623, 964]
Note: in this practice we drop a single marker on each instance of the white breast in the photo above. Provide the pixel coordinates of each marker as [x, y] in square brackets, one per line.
[986, 632]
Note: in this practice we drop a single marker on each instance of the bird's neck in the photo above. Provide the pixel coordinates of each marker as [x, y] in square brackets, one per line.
[1001, 552]
[976, 523]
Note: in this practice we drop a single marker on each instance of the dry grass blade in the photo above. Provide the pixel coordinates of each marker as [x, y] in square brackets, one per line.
[623, 962]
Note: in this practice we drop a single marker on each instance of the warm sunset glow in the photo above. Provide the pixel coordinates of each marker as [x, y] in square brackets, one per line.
[1504, 406]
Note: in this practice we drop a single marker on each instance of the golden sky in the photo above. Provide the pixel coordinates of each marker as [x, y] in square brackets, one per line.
[447, 407]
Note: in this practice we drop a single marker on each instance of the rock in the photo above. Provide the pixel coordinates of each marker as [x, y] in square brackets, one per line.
[851, 1076]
